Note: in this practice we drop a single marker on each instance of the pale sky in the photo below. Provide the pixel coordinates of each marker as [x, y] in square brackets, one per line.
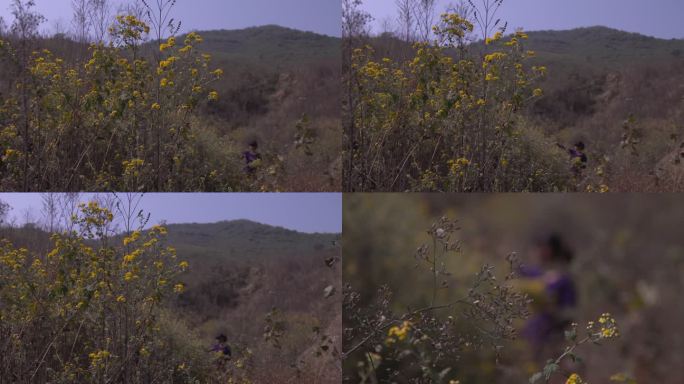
[659, 18]
[303, 212]
[321, 16]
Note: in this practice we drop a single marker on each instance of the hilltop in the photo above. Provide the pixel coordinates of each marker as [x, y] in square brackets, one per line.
[244, 241]
[602, 47]
[274, 45]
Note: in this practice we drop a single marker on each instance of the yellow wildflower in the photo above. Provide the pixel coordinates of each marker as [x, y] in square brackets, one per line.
[398, 332]
[574, 379]
[133, 237]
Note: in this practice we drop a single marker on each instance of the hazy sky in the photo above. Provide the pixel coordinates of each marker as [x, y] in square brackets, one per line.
[304, 212]
[322, 16]
[660, 18]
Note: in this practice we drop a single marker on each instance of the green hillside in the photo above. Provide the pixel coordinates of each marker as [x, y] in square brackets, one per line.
[601, 47]
[270, 45]
[243, 241]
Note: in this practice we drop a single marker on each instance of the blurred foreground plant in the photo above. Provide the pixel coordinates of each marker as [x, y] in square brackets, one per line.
[422, 341]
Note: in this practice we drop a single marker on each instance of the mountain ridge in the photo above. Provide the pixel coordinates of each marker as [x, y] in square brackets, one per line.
[248, 222]
[275, 45]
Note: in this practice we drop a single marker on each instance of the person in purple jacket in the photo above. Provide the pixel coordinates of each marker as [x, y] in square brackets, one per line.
[578, 158]
[251, 156]
[221, 347]
[552, 290]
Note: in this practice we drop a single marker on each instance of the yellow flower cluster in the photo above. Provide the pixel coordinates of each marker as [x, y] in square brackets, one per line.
[129, 29]
[491, 77]
[608, 326]
[494, 56]
[457, 166]
[164, 64]
[131, 257]
[159, 229]
[605, 328]
[14, 259]
[9, 153]
[133, 237]
[193, 37]
[453, 25]
[99, 356]
[170, 43]
[132, 167]
[574, 379]
[541, 70]
[398, 333]
[497, 36]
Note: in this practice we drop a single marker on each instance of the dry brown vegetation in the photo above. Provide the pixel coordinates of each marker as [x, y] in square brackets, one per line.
[166, 293]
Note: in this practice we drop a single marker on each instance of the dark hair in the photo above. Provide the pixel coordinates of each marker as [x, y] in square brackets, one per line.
[559, 250]
[221, 338]
[580, 145]
[254, 143]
